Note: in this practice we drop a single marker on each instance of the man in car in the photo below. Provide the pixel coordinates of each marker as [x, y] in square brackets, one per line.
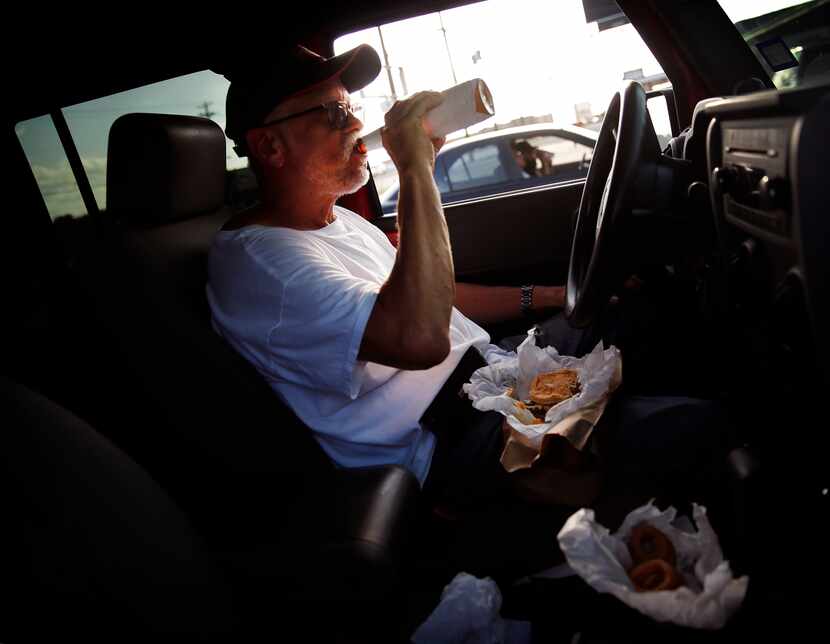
[532, 160]
[366, 344]
[356, 338]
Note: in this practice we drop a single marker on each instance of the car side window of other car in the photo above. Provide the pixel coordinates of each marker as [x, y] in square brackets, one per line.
[545, 155]
[473, 167]
[441, 179]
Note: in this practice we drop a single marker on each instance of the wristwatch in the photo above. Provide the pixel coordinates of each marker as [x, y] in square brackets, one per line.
[527, 299]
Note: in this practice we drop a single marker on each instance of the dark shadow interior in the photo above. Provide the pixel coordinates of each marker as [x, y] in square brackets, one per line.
[155, 485]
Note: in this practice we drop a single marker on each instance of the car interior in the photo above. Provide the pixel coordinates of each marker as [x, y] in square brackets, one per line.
[155, 485]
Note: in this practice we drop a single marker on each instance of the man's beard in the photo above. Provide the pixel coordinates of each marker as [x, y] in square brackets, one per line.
[359, 179]
[343, 181]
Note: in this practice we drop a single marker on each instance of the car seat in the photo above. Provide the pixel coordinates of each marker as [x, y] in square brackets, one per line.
[97, 548]
[195, 413]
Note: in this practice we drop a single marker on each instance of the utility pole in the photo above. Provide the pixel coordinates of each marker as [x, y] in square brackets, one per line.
[388, 68]
[206, 109]
[403, 81]
[447, 45]
[449, 57]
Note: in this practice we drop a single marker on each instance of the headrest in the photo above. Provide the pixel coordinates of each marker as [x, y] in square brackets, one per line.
[163, 168]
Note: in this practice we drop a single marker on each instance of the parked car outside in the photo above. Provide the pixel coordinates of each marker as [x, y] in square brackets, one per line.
[526, 156]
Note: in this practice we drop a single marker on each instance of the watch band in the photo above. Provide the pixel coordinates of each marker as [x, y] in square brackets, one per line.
[527, 299]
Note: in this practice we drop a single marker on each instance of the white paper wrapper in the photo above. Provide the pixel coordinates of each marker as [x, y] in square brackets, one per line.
[468, 613]
[599, 372]
[711, 594]
[464, 105]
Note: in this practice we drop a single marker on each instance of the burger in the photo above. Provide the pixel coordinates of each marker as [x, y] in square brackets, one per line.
[549, 389]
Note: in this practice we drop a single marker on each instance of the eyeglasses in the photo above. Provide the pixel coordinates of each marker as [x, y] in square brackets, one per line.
[337, 111]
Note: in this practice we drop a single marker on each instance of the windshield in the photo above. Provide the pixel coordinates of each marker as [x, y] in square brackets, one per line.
[551, 66]
[791, 38]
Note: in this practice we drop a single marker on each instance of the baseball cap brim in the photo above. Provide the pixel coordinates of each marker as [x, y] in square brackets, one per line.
[356, 68]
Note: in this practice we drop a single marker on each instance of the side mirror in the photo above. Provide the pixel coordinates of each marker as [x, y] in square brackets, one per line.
[586, 161]
[663, 111]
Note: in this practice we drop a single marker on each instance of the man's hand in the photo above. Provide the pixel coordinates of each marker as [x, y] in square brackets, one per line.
[404, 135]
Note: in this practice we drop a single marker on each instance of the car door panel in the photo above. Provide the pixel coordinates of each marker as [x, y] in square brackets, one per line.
[512, 238]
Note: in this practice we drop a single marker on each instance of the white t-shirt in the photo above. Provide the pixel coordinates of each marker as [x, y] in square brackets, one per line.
[295, 303]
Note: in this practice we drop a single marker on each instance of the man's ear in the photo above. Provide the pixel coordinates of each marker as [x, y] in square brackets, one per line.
[268, 149]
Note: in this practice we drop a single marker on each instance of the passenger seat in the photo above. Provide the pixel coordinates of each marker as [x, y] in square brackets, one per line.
[98, 550]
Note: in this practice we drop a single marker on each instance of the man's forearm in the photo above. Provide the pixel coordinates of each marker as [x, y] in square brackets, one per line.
[422, 283]
[488, 304]
[409, 327]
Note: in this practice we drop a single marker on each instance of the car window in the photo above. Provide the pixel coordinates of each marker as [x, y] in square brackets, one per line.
[478, 166]
[440, 174]
[565, 70]
[545, 155]
[50, 167]
[199, 94]
[790, 38]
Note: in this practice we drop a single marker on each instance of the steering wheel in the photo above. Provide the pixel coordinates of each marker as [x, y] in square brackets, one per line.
[626, 146]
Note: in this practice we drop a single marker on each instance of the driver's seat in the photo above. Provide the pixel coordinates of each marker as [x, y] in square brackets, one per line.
[202, 405]
[196, 414]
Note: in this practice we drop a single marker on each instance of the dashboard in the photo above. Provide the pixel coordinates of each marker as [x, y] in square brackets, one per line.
[764, 160]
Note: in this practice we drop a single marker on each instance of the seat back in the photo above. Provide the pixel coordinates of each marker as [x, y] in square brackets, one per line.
[201, 415]
[102, 547]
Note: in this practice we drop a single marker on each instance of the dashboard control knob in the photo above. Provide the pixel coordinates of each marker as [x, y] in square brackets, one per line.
[774, 193]
[725, 178]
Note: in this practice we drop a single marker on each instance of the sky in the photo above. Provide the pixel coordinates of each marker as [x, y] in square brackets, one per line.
[738, 10]
[539, 57]
[533, 67]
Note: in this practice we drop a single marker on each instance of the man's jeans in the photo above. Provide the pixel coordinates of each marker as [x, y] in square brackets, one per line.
[670, 447]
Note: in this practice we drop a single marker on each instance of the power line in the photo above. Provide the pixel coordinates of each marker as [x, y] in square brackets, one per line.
[206, 109]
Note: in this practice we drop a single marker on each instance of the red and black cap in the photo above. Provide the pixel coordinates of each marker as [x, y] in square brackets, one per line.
[255, 91]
